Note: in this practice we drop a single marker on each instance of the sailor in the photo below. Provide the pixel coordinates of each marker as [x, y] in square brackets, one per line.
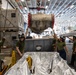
[20, 46]
[61, 46]
[73, 59]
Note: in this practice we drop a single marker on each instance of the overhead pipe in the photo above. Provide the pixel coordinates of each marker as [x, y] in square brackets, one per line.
[17, 6]
[21, 9]
[49, 5]
[53, 6]
[36, 6]
[21, 4]
[45, 3]
[64, 7]
[31, 3]
[11, 3]
[40, 2]
[71, 13]
[71, 20]
[56, 7]
[26, 5]
[67, 13]
[35, 11]
[61, 7]
[67, 18]
[68, 8]
[45, 7]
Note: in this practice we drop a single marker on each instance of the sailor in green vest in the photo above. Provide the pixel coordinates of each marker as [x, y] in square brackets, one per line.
[20, 47]
[73, 59]
[61, 46]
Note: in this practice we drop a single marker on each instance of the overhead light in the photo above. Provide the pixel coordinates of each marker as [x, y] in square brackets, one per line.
[25, 8]
[46, 7]
[48, 0]
[71, 6]
[22, 0]
[67, 31]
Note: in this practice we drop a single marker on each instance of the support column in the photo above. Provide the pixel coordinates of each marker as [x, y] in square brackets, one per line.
[0, 16]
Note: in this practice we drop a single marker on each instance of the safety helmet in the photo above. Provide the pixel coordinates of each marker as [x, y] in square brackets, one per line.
[21, 36]
[74, 36]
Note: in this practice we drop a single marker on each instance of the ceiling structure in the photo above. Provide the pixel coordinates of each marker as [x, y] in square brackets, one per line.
[64, 11]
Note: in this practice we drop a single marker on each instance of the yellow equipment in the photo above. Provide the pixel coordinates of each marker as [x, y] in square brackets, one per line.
[3, 71]
[29, 60]
[13, 61]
